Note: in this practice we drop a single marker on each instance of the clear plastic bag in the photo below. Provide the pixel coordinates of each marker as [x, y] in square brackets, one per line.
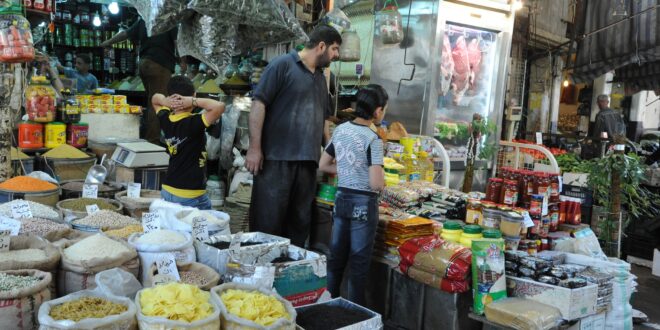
[389, 24]
[15, 39]
[161, 16]
[337, 19]
[523, 314]
[117, 282]
[208, 39]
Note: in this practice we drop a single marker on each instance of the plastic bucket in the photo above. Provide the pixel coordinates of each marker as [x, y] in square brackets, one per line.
[76, 135]
[30, 135]
[48, 197]
[55, 134]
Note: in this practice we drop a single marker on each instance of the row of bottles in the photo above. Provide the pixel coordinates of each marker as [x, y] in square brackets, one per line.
[417, 165]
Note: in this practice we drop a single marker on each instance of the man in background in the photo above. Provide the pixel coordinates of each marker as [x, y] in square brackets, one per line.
[157, 60]
[85, 81]
[608, 120]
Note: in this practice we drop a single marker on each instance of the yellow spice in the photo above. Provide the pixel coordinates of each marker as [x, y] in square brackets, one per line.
[65, 151]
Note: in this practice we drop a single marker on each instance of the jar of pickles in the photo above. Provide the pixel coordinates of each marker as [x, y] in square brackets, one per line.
[491, 216]
[40, 100]
[494, 190]
[543, 180]
[509, 194]
[15, 39]
[68, 110]
[554, 188]
[474, 213]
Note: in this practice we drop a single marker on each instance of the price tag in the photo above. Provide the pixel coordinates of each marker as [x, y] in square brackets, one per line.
[539, 138]
[133, 190]
[150, 221]
[528, 222]
[5, 240]
[200, 228]
[561, 183]
[544, 210]
[90, 191]
[11, 225]
[91, 209]
[21, 210]
[167, 271]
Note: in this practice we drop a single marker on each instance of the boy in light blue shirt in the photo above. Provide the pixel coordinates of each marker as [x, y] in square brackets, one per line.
[86, 82]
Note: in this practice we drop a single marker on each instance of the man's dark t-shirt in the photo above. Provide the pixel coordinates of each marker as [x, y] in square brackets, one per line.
[297, 104]
[158, 48]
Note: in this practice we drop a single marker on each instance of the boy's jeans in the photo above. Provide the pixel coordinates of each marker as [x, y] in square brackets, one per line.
[353, 231]
[202, 202]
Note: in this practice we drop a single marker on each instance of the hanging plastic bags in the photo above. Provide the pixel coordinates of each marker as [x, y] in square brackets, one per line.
[389, 24]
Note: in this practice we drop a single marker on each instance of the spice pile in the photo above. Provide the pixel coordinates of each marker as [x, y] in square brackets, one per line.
[106, 219]
[80, 204]
[161, 236]
[321, 317]
[65, 151]
[26, 183]
[16, 154]
[177, 302]
[254, 306]
[10, 282]
[26, 255]
[40, 227]
[192, 277]
[86, 307]
[96, 246]
[38, 210]
[124, 232]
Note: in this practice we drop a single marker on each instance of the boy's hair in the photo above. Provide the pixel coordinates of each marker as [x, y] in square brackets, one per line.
[85, 58]
[369, 98]
[181, 85]
[324, 33]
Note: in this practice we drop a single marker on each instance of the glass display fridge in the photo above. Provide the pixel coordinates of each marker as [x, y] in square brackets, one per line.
[451, 64]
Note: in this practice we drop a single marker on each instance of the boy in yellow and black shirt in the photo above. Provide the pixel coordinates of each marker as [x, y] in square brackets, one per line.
[184, 134]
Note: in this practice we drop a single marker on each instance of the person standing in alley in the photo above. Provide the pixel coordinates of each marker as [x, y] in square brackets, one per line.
[286, 125]
[608, 120]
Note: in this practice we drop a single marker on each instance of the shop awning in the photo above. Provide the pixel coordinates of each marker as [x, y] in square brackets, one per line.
[618, 33]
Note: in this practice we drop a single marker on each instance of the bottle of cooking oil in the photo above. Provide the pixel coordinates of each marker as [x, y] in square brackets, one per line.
[426, 165]
[412, 169]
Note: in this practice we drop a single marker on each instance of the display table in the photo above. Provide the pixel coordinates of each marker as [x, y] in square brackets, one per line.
[407, 304]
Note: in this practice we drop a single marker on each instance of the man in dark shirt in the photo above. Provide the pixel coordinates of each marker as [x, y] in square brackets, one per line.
[157, 61]
[286, 130]
[608, 120]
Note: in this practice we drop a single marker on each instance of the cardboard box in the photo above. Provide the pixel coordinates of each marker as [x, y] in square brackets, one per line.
[572, 303]
[303, 281]
[375, 322]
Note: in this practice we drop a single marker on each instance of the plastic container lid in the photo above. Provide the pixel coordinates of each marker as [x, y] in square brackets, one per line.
[472, 229]
[56, 123]
[452, 225]
[492, 233]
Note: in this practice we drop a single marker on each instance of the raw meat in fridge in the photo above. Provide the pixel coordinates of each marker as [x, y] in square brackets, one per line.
[461, 78]
[446, 66]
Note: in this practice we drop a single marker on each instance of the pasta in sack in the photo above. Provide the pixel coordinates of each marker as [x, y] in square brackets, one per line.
[20, 306]
[435, 256]
[88, 309]
[268, 311]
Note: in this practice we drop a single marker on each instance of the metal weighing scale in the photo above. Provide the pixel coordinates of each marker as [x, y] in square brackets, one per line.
[140, 154]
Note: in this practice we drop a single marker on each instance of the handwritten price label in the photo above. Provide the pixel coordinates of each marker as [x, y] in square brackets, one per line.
[21, 210]
[134, 190]
[90, 191]
[150, 221]
[200, 228]
[167, 270]
[91, 209]
[11, 225]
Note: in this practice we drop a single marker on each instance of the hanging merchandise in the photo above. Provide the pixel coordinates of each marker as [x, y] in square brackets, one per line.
[209, 40]
[15, 39]
[162, 15]
[390, 23]
[337, 19]
[350, 47]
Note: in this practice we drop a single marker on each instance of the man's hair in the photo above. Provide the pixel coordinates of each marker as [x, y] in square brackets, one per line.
[85, 58]
[369, 98]
[327, 34]
[603, 97]
[181, 85]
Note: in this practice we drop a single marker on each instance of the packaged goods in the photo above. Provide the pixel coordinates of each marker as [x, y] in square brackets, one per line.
[523, 314]
[65, 151]
[21, 294]
[400, 197]
[176, 302]
[433, 255]
[488, 267]
[26, 183]
[15, 39]
[38, 210]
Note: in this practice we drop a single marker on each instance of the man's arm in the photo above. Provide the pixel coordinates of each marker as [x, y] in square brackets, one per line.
[255, 156]
[327, 164]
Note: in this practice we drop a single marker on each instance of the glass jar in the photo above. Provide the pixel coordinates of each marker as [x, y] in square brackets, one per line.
[554, 188]
[535, 230]
[15, 39]
[543, 181]
[527, 186]
[553, 213]
[509, 195]
[350, 47]
[491, 218]
[474, 213]
[40, 100]
[68, 110]
[389, 25]
[494, 190]
[536, 205]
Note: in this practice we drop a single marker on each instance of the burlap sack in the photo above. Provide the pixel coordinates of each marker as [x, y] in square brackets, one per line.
[73, 235]
[19, 309]
[75, 275]
[48, 264]
[211, 276]
[56, 235]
